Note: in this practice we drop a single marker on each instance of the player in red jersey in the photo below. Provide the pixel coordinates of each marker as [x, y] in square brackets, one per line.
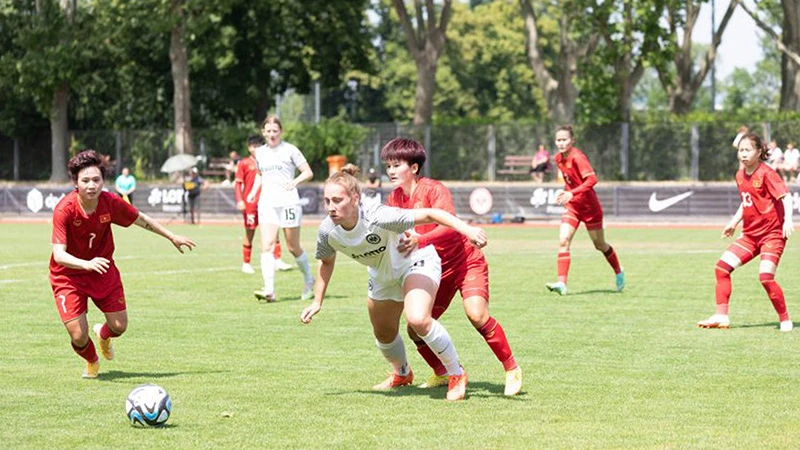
[581, 205]
[464, 268]
[82, 263]
[246, 172]
[766, 211]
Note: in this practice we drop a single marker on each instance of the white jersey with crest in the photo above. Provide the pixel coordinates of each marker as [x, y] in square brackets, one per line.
[373, 241]
[277, 166]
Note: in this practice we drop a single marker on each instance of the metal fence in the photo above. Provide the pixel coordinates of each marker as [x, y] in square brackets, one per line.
[663, 151]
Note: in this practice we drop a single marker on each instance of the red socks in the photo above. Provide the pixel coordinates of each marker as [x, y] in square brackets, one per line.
[86, 352]
[106, 332]
[247, 250]
[611, 257]
[496, 338]
[563, 266]
[775, 294]
[723, 290]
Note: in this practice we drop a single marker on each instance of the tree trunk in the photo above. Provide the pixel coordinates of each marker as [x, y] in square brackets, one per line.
[426, 87]
[59, 132]
[682, 88]
[425, 43]
[181, 98]
[558, 88]
[59, 115]
[790, 68]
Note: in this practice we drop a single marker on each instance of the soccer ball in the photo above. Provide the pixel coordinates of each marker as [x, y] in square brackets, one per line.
[148, 405]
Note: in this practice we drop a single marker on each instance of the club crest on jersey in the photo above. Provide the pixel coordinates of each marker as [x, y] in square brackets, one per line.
[77, 222]
[373, 238]
[105, 218]
[757, 183]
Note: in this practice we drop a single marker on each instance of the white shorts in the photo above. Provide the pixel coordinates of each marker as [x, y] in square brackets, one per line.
[282, 216]
[424, 262]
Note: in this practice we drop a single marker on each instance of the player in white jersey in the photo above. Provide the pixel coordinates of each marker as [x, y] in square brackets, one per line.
[279, 205]
[370, 235]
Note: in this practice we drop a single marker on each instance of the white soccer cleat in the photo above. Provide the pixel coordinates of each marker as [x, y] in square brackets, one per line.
[716, 321]
[282, 266]
[558, 287]
[247, 268]
[308, 290]
[787, 326]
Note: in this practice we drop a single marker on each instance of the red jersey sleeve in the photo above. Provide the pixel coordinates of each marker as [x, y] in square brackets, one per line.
[588, 177]
[775, 185]
[123, 214]
[60, 222]
[439, 197]
[238, 183]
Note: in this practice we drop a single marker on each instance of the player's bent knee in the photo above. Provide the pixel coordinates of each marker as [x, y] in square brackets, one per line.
[420, 324]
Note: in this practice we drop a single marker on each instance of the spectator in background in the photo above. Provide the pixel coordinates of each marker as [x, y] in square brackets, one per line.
[230, 168]
[775, 155]
[740, 134]
[540, 164]
[372, 188]
[791, 161]
[192, 188]
[125, 184]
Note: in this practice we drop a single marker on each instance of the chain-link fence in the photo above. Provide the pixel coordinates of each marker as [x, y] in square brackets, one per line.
[663, 151]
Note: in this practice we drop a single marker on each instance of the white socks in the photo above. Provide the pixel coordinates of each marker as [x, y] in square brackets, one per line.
[268, 271]
[395, 353]
[302, 263]
[439, 341]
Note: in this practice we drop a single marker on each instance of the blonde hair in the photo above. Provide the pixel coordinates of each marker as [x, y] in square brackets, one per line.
[347, 178]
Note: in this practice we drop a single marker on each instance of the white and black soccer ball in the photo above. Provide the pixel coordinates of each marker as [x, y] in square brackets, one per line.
[148, 405]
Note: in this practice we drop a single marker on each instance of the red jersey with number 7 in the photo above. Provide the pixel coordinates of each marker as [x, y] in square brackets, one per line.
[762, 209]
[88, 236]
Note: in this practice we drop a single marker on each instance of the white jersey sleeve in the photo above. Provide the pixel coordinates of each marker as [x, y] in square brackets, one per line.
[396, 220]
[324, 248]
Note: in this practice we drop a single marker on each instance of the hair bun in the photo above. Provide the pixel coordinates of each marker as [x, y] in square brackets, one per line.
[351, 169]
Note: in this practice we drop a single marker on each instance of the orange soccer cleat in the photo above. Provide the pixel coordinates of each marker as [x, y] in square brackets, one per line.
[457, 387]
[92, 369]
[105, 344]
[394, 381]
[716, 321]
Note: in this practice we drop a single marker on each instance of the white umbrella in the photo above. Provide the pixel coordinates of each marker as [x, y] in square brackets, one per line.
[181, 161]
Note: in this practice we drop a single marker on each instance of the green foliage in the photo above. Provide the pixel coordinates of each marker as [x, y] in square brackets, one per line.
[330, 137]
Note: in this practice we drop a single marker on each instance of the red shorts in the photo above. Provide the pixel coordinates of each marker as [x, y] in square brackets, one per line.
[470, 277]
[589, 212]
[250, 216]
[770, 247]
[71, 293]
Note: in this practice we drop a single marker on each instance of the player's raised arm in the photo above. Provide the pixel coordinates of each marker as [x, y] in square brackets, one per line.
[150, 224]
[475, 235]
[324, 273]
[731, 226]
[788, 222]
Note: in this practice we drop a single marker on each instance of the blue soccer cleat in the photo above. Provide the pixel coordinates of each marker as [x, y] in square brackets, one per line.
[621, 280]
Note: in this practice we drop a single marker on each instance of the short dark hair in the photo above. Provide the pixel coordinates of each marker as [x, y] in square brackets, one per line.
[256, 139]
[84, 159]
[404, 149]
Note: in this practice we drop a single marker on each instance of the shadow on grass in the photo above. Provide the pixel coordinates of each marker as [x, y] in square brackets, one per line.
[758, 325]
[158, 427]
[479, 389]
[593, 291]
[112, 375]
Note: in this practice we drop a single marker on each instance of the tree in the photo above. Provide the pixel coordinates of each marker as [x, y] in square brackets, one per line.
[558, 81]
[789, 45]
[181, 96]
[425, 43]
[679, 78]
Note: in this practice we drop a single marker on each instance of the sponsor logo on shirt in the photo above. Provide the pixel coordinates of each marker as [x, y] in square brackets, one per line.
[105, 218]
[374, 252]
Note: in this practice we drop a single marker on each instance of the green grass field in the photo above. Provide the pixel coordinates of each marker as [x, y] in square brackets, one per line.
[602, 369]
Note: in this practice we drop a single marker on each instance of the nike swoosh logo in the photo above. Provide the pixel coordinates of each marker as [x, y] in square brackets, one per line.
[657, 205]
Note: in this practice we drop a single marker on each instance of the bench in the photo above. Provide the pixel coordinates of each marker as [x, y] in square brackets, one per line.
[516, 165]
[216, 167]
